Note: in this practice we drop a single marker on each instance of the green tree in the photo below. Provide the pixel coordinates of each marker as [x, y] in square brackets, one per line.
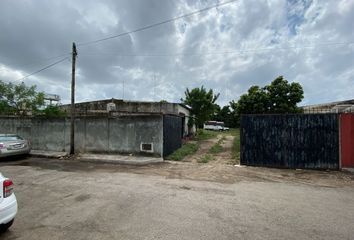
[235, 115]
[202, 103]
[278, 97]
[19, 99]
[225, 115]
[53, 111]
[256, 100]
[284, 96]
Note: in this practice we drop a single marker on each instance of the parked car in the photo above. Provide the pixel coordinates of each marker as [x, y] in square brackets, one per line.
[12, 144]
[8, 204]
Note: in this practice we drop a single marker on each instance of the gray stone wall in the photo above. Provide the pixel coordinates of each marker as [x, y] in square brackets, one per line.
[122, 134]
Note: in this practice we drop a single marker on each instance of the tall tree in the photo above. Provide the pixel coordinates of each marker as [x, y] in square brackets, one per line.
[202, 103]
[284, 96]
[278, 97]
[255, 100]
[225, 115]
[19, 98]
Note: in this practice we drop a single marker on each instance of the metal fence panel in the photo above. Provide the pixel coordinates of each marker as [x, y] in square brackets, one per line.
[347, 140]
[172, 134]
[290, 141]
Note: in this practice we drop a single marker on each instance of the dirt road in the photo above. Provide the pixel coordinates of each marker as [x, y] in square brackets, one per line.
[223, 157]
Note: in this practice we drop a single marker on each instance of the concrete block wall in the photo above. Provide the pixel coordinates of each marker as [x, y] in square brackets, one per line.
[92, 134]
[125, 106]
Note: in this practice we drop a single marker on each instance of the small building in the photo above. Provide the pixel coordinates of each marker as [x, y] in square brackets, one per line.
[119, 107]
[332, 107]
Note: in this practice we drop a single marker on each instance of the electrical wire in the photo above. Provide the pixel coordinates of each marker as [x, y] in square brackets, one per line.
[156, 24]
[218, 53]
[129, 32]
[42, 69]
[44, 60]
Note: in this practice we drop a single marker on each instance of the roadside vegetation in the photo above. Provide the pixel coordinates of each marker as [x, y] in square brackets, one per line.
[185, 150]
[206, 158]
[235, 150]
[217, 148]
[205, 135]
[211, 154]
[22, 100]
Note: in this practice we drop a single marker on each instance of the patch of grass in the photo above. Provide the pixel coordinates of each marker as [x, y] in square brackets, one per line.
[236, 149]
[221, 140]
[206, 158]
[231, 131]
[185, 150]
[216, 148]
[205, 134]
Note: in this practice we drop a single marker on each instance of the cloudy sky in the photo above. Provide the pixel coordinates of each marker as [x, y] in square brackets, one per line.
[228, 49]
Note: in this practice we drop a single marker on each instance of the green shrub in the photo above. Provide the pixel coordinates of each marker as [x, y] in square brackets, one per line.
[217, 148]
[185, 150]
[204, 135]
[236, 149]
[206, 158]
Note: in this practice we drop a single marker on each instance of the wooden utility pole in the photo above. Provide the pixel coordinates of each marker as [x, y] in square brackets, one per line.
[72, 125]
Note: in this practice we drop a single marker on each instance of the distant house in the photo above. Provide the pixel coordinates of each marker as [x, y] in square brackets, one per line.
[333, 107]
[119, 107]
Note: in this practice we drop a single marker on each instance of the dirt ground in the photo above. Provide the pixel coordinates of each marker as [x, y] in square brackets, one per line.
[224, 157]
[212, 172]
[68, 199]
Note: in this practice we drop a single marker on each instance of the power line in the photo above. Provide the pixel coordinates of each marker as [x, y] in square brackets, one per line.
[44, 60]
[156, 24]
[39, 60]
[129, 32]
[188, 54]
[219, 53]
[42, 69]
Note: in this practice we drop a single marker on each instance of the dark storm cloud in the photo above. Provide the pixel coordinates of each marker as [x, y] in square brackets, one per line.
[34, 30]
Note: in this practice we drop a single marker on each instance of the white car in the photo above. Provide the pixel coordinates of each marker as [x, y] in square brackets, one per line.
[8, 203]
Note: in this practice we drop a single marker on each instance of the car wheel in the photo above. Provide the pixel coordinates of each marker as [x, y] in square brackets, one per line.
[5, 226]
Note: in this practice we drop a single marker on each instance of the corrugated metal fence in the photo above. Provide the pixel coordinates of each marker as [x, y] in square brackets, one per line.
[290, 141]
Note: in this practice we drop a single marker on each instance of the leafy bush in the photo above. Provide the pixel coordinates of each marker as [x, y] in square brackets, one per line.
[53, 111]
[204, 135]
[185, 150]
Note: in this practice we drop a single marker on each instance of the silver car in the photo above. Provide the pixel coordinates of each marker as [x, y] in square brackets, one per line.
[12, 144]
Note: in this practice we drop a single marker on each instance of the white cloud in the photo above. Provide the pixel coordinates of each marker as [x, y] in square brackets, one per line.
[252, 26]
[9, 74]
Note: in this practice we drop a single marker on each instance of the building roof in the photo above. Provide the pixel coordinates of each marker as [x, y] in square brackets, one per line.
[130, 101]
[331, 104]
[334, 107]
[120, 105]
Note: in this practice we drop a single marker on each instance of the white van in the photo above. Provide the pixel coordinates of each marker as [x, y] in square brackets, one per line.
[215, 126]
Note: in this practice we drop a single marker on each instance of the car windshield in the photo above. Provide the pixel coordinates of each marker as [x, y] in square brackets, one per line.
[10, 138]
